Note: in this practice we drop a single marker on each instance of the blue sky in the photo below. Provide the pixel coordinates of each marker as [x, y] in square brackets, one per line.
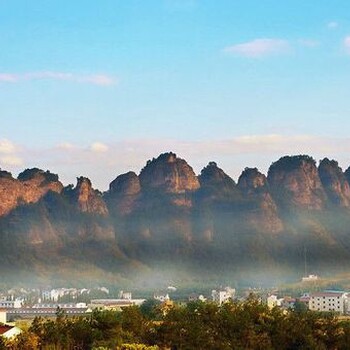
[97, 88]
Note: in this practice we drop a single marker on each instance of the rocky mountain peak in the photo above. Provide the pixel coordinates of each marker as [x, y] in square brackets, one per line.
[251, 180]
[254, 186]
[5, 174]
[125, 184]
[295, 181]
[169, 174]
[334, 182]
[123, 194]
[215, 182]
[30, 187]
[88, 200]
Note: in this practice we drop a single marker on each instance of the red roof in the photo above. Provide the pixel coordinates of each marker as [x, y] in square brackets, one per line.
[326, 294]
[4, 329]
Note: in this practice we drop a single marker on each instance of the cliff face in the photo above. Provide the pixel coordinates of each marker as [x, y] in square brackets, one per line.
[123, 194]
[334, 182]
[254, 187]
[31, 185]
[87, 199]
[169, 174]
[295, 182]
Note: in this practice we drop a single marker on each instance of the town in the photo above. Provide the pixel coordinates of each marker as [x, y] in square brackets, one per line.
[20, 306]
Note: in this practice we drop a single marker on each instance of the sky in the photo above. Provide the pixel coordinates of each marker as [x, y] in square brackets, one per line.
[96, 88]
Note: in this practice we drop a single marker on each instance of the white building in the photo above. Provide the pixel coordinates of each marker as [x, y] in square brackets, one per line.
[161, 297]
[310, 278]
[222, 296]
[11, 304]
[9, 332]
[273, 301]
[125, 295]
[328, 301]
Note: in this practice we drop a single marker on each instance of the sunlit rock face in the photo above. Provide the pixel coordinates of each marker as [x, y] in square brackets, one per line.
[334, 182]
[123, 194]
[295, 183]
[87, 199]
[254, 187]
[170, 175]
[31, 185]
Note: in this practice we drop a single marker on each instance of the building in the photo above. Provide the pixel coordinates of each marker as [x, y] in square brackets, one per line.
[30, 313]
[196, 297]
[59, 305]
[328, 301]
[125, 295]
[114, 304]
[310, 278]
[223, 295]
[11, 304]
[273, 301]
[9, 332]
[161, 297]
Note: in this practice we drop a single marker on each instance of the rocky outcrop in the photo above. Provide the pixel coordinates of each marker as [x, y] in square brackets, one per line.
[254, 187]
[295, 183]
[215, 182]
[171, 177]
[125, 185]
[169, 174]
[123, 193]
[30, 187]
[87, 199]
[334, 182]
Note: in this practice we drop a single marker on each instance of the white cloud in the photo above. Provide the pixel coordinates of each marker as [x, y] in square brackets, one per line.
[99, 147]
[332, 25]
[259, 48]
[8, 154]
[94, 79]
[66, 146]
[8, 78]
[99, 79]
[7, 146]
[347, 44]
[103, 162]
[11, 160]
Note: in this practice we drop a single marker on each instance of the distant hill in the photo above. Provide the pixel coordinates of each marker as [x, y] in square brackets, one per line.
[167, 223]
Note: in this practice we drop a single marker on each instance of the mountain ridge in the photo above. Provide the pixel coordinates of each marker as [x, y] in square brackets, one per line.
[168, 217]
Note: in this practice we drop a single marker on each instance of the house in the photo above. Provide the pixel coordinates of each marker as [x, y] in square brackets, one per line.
[273, 301]
[310, 278]
[161, 297]
[328, 301]
[114, 304]
[223, 295]
[9, 332]
[11, 304]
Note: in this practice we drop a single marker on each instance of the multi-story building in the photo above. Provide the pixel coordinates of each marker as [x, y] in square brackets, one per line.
[223, 295]
[328, 301]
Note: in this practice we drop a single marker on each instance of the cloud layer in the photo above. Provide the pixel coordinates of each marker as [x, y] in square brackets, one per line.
[95, 79]
[103, 162]
[259, 48]
[9, 154]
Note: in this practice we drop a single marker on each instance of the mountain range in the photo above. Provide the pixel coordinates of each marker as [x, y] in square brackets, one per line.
[168, 224]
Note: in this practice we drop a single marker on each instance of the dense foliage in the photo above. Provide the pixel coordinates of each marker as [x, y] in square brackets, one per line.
[236, 325]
